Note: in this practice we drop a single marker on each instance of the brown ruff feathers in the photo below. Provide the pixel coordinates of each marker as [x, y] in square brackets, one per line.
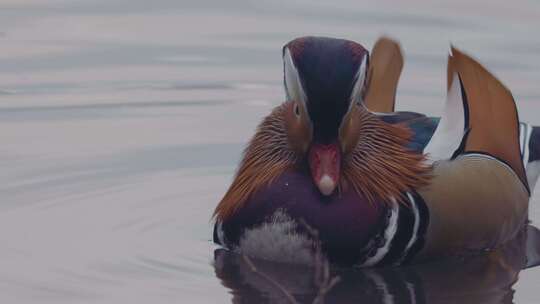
[380, 167]
[267, 155]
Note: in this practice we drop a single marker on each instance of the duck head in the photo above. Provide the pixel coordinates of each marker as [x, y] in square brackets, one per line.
[324, 79]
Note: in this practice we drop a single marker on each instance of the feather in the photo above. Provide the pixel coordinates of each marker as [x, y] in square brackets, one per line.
[492, 114]
[385, 67]
[379, 167]
[267, 156]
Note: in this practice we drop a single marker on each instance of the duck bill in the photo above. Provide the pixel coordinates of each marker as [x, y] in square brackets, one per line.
[325, 164]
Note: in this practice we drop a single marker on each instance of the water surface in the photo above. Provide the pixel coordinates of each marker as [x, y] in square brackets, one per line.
[121, 123]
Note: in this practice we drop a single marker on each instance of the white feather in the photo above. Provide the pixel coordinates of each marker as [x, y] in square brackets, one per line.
[522, 133]
[221, 234]
[415, 227]
[293, 84]
[526, 135]
[533, 171]
[277, 241]
[451, 129]
[360, 79]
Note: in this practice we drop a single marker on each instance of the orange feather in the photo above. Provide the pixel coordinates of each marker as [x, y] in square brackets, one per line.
[378, 166]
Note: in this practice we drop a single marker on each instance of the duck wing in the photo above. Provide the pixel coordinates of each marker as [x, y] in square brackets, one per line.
[478, 197]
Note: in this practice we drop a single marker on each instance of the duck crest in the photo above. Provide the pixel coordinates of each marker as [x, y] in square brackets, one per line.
[267, 156]
[380, 166]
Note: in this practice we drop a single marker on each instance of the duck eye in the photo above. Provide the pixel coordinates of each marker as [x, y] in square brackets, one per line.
[296, 110]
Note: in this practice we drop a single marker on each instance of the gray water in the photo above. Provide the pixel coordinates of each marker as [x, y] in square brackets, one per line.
[121, 123]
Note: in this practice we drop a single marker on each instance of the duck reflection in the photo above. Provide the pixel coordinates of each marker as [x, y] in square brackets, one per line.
[480, 278]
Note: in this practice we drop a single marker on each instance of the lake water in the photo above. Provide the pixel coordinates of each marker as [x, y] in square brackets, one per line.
[121, 124]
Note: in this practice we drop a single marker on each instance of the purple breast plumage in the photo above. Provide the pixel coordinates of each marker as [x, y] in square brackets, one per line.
[351, 230]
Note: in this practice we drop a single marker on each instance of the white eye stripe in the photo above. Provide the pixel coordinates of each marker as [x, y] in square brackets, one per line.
[356, 94]
[293, 85]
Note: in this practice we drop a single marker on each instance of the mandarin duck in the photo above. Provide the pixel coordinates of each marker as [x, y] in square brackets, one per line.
[333, 166]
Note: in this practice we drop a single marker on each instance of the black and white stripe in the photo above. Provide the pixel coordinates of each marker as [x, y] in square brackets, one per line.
[376, 250]
[403, 235]
[530, 163]
[219, 234]
[525, 132]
